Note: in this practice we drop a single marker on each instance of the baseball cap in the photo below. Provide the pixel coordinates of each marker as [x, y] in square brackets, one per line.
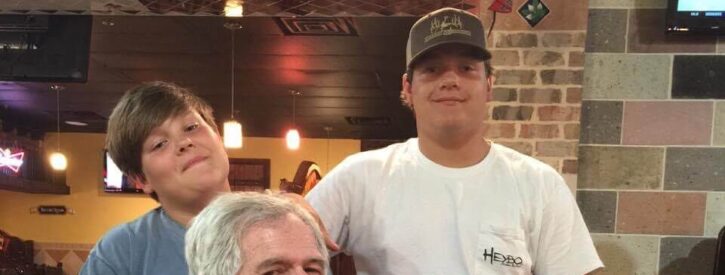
[445, 26]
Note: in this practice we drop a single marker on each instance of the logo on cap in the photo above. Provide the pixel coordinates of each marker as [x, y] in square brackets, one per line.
[450, 24]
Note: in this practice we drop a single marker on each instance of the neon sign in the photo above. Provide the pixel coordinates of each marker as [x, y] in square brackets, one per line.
[11, 160]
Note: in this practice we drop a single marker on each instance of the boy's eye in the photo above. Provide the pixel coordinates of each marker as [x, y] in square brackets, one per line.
[158, 145]
[192, 126]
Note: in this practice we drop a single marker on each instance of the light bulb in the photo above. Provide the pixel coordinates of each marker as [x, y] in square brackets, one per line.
[293, 139]
[58, 161]
[233, 9]
[232, 134]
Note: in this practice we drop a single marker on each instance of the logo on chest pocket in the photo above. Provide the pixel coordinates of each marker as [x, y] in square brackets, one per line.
[494, 257]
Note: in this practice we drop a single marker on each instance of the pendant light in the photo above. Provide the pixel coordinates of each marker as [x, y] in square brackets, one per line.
[232, 128]
[57, 160]
[293, 136]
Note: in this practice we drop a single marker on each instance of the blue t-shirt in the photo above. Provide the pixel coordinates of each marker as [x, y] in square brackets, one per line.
[151, 244]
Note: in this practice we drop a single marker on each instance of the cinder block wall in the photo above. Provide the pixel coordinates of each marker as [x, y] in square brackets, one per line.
[651, 174]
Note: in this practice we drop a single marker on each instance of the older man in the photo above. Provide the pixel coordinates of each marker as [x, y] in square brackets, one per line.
[250, 233]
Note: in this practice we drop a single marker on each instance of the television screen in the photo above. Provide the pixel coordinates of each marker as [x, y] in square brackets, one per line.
[44, 48]
[115, 181]
[696, 16]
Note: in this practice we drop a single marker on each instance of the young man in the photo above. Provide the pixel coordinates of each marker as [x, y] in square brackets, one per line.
[254, 234]
[165, 137]
[449, 201]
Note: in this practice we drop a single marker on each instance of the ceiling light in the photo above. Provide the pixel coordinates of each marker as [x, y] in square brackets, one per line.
[232, 128]
[57, 160]
[233, 8]
[293, 136]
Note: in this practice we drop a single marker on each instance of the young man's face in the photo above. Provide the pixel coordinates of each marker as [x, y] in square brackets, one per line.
[449, 90]
[184, 162]
[282, 246]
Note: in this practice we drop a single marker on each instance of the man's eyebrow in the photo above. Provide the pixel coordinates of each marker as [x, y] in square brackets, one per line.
[315, 260]
[272, 262]
[282, 262]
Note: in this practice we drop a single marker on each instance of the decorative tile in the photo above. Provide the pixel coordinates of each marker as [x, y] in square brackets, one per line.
[601, 122]
[718, 137]
[620, 76]
[82, 254]
[698, 76]
[533, 11]
[57, 255]
[692, 256]
[627, 254]
[598, 208]
[715, 215]
[667, 123]
[608, 167]
[606, 30]
[695, 169]
[661, 213]
[647, 35]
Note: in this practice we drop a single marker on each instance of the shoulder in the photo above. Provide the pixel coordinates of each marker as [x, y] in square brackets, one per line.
[521, 164]
[378, 157]
[117, 242]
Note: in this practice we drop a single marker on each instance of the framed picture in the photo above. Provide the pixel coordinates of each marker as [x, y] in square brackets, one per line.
[249, 174]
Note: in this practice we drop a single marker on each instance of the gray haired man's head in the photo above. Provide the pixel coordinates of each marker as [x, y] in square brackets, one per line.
[214, 238]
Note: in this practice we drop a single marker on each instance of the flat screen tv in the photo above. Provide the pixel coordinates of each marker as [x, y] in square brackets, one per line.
[44, 48]
[696, 16]
[114, 181]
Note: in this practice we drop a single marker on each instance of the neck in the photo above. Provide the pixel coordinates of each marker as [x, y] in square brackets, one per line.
[179, 216]
[455, 151]
[182, 213]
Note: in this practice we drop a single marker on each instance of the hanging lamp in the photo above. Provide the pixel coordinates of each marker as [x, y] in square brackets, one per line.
[293, 135]
[57, 160]
[232, 128]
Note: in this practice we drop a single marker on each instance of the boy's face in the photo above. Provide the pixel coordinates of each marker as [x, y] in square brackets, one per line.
[449, 91]
[184, 162]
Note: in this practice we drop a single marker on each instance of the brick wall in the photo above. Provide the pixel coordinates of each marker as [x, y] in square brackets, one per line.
[652, 151]
[536, 104]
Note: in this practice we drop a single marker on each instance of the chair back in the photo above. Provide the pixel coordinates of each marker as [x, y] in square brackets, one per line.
[720, 253]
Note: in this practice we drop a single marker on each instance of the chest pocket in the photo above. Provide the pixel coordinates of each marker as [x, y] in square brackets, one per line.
[502, 251]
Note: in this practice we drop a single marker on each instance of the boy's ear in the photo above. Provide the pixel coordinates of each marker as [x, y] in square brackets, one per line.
[405, 92]
[147, 188]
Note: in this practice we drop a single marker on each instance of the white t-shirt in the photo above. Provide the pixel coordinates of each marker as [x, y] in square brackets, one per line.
[397, 212]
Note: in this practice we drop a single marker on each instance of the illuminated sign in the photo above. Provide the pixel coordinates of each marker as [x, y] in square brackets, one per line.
[11, 160]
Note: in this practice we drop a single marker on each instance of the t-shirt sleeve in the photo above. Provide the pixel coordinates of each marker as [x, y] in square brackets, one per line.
[331, 199]
[565, 245]
[111, 255]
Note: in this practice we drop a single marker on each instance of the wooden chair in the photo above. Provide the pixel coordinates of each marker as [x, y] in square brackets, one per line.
[720, 253]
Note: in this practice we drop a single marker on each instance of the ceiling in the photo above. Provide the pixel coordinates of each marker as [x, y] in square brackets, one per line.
[346, 69]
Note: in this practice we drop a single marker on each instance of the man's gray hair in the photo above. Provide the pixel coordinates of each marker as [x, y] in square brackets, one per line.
[213, 239]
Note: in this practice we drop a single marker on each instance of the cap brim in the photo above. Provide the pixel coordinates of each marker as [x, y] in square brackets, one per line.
[484, 53]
